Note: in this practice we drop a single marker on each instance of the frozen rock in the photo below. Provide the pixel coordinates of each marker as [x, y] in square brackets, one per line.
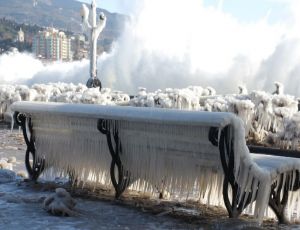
[60, 204]
[22, 174]
[5, 165]
[12, 160]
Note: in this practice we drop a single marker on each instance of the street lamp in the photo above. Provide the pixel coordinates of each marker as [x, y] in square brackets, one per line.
[93, 31]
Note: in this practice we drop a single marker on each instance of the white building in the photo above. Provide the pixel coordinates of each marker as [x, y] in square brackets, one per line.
[21, 36]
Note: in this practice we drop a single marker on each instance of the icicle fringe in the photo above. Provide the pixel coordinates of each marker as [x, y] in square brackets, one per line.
[174, 158]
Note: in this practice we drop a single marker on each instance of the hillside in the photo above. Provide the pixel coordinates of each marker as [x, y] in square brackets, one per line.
[8, 34]
[62, 14]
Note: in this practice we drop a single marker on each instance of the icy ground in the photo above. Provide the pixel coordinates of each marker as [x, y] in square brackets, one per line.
[21, 205]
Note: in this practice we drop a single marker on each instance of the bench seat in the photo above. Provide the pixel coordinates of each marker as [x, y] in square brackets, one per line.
[276, 165]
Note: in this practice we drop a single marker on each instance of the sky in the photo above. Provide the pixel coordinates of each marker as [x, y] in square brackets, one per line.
[115, 6]
[218, 43]
[244, 10]
[178, 43]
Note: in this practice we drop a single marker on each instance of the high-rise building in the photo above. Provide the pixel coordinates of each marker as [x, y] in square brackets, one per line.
[52, 44]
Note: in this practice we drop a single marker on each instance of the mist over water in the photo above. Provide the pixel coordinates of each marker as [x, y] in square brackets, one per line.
[23, 68]
[177, 43]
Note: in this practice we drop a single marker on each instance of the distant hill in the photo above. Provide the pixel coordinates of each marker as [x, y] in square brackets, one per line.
[61, 14]
[8, 35]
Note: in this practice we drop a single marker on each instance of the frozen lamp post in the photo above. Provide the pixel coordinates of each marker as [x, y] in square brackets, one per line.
[90, 27]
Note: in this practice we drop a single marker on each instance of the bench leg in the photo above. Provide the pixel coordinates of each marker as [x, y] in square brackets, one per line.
[238, 201]
[234, 207]
[121, 182]
[35, 168]
[278, 199]
[231, 207]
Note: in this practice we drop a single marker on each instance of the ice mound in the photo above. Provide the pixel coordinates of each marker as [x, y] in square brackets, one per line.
[6, 164]
[60, 204]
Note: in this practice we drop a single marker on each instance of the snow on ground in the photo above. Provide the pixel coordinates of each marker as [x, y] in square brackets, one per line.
[22, 204]
[23, 209]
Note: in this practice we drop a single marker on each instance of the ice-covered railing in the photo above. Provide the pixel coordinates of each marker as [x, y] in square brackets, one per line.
[186, 98]
[263, 113]
[289, 136]
[58, 92]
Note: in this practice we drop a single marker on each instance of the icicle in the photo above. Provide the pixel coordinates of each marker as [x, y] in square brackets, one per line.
[160, 155]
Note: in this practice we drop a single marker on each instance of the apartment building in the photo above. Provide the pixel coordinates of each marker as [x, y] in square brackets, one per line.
[52, 44]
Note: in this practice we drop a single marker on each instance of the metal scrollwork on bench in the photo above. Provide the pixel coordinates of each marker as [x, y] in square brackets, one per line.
[279, 198]
[213, 135]
[280, 192]
[109, 128]
[36, 168]
[239, 200]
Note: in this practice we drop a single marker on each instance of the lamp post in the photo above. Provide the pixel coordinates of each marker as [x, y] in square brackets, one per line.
[90, 27]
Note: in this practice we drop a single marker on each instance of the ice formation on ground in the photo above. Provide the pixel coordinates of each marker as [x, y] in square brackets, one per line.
[22, 202]
[60, 204]
[7, 163]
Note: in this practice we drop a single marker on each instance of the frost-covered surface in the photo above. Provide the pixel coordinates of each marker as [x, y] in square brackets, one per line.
[289, 136]
[58, 92]
[23, 209]
[163, 150]
[286, 166]
[264, 114]
[22, 206]
[60, 203]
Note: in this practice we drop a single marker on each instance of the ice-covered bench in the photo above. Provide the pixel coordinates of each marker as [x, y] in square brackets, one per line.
[185, 153]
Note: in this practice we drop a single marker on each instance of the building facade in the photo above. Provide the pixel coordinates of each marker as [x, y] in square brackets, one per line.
[52, 44]
[80, 47]
[21, 36]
